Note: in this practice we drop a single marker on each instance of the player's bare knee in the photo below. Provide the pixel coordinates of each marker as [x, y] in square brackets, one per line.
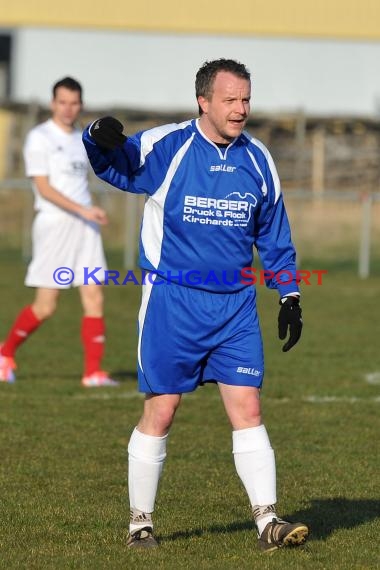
[92, 300]
[244, 421]
[161, 419]
[245, 416]
[158, 415]
[44, 311]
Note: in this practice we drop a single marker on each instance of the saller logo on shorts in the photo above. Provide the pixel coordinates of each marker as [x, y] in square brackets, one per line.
[250, 371]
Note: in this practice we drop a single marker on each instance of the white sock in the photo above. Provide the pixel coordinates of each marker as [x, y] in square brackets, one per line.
[138, 519]
[146, 455]
[255, 464]
[263, 515]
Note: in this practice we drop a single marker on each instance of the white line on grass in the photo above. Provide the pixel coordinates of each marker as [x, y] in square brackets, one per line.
[339, 399]
[372, 378]
[116, 395]
[108, 395]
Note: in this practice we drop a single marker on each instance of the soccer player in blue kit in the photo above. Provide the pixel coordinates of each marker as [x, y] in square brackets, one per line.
[212, 194]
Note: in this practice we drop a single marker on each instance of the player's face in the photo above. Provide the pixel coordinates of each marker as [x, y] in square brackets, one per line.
[66, 107]
[225, 113]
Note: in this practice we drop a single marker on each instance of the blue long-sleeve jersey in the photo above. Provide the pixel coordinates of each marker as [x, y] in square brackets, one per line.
[206, 206]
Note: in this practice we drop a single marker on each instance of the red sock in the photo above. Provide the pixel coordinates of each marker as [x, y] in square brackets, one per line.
[25, 323]
[93, 329]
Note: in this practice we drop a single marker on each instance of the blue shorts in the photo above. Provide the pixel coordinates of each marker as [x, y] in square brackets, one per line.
[189, 336]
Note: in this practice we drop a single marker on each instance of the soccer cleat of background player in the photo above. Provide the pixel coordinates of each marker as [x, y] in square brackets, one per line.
[7, 368]
[98, 379]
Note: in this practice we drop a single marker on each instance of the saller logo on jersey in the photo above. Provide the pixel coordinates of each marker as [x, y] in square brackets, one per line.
[222, 168]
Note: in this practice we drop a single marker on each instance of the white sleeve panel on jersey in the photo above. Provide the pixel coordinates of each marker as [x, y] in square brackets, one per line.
[272, 167]
[35, 155]
[150, 137]
[264, 187]
[152, 231]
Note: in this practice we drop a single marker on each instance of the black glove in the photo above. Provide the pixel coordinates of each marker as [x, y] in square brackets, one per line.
[290, 315]
[107, 132]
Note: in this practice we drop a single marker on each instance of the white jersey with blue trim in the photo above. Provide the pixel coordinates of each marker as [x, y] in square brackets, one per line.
[206, 206]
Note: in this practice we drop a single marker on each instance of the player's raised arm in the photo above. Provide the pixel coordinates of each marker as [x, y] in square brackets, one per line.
[137, 163]
[108, 154]
[107, 132]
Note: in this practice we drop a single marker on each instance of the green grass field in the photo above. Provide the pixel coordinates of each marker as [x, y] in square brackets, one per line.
[63, 448]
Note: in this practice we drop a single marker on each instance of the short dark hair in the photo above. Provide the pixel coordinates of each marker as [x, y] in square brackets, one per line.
[68, 83]
[206, 74]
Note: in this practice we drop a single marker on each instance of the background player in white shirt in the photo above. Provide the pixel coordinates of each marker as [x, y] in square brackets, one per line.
[65, 233]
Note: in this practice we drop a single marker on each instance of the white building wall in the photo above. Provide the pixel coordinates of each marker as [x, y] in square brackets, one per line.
[157, 71]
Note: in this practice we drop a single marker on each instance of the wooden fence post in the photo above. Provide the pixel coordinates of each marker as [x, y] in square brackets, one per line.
[365, 236]
[318, 162]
